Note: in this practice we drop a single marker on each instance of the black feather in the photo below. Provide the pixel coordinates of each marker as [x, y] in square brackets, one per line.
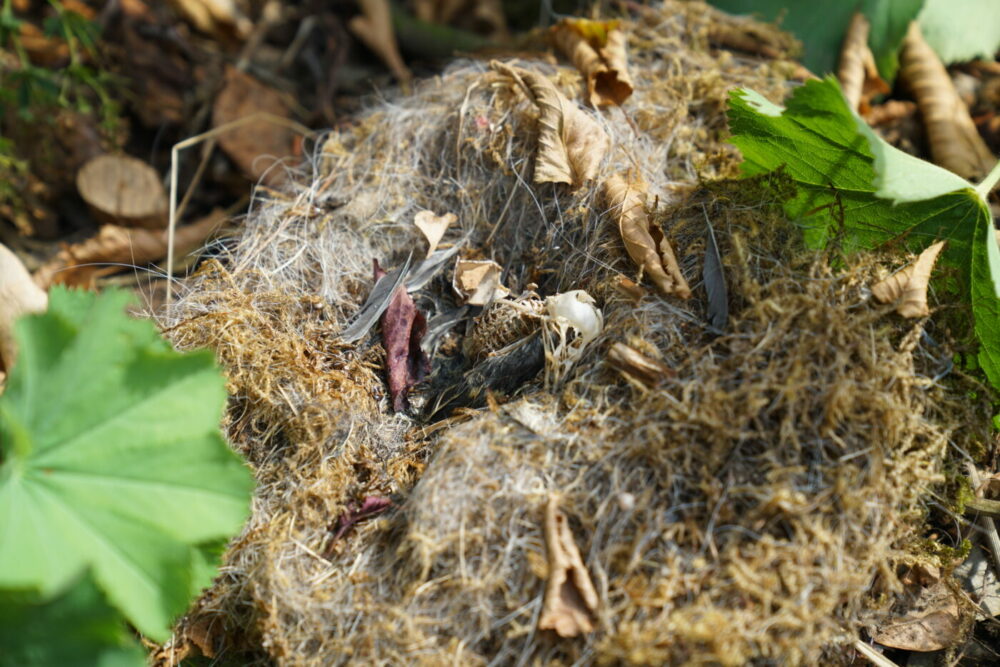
[715, 281]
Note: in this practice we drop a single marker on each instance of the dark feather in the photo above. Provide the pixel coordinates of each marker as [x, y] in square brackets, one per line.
[715, 281]
[503, 372]
[376, 303]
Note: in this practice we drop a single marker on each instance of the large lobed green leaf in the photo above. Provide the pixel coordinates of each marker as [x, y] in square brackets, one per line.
[853, 186]
[112, 460]
[75, 629]
[962, 30]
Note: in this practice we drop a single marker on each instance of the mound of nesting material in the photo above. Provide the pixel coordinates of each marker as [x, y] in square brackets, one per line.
[748, 503]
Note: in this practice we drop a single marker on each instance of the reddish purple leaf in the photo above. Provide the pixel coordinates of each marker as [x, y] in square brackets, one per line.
[403, 327]
[370, 506]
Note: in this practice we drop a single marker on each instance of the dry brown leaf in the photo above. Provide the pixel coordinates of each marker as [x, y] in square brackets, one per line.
[483, 17]
[909, 286]
[43, 50]
[571, 144]
[955, 142]
[374, 27]
[478, 281]
[859, 77]
[123, 190]
[658, 263]
[433, 227]
[597, 50]
[932, 623]
[571, 602]
[221, 18]
[646, 370]
[18, 295]
[258, 144]
[81, 263]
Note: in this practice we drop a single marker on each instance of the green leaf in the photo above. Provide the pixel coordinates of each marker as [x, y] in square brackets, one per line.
[821, 26]
[889, 20]
[75, 629]
[853, 186]
[961, 31]
[819, 143]
[113, 459]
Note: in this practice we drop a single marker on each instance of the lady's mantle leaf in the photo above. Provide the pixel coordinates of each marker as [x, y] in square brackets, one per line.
[75, 629]
[854, 185]
[112, 459]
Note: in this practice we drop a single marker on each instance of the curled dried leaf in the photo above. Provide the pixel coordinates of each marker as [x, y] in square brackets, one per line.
[478, 281]
[909, 286]
[374, 27]
[955, 143]
[931, 622]
[658, 263]
[571, 602]
[597, 49]
[858, 74]
[633, 363]
[78, 265]
[571, 144]
[433, 227]
[258, 144]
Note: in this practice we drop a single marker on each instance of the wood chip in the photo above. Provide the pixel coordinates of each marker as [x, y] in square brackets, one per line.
[123, 190]
[571, 602]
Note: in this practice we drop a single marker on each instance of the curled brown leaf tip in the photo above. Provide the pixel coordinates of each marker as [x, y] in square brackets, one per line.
[597, 49]
[655, 259]
[909, 286]
[571, 144]
[954, 140]
[650, 372]
[859, 77]
[571, 602]
[403, 327]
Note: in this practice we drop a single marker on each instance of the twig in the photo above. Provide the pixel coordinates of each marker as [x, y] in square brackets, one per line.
[873, 656]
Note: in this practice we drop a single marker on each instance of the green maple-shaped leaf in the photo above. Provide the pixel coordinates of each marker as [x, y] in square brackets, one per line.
[77, 628]
[112, 460]
[853, 185]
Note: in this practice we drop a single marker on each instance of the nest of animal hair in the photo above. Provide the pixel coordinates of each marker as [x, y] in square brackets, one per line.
[699, 492]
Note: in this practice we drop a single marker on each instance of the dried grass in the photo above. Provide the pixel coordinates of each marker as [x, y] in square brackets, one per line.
[750, 508]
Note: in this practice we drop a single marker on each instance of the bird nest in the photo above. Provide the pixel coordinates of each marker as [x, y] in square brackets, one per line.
[735, 495]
